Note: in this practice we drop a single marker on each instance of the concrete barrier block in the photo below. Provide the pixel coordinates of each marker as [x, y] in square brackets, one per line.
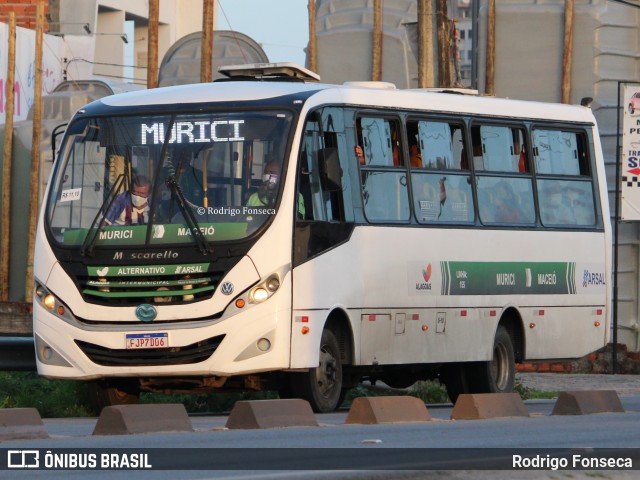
[399, 409]
[478, 406]
[253, 414]
[586, 402]
[133, 419]
[21, 423]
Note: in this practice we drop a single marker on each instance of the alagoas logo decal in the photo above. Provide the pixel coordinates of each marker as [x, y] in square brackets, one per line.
[426, 276]
[426, 273]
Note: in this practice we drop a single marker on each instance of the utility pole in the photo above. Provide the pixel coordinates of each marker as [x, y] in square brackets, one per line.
[491, 49]
[312, 54]
[568, 51]
[425, 44]
[206, 55]
[376, 56]
[35, 151]
[8, 159]
[152, 45]
[444, 44]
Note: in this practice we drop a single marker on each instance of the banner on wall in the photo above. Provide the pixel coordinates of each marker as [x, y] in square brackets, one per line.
[52, 68]
[630, 178]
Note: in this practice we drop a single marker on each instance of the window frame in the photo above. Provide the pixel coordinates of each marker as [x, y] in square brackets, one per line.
[365, 169]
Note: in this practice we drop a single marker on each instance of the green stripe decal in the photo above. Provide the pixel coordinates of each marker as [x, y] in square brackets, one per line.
[147, 270]
[148, 283]
[508, 278]
[147, 293]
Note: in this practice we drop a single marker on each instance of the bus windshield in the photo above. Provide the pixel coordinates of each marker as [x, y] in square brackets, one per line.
[167, 179]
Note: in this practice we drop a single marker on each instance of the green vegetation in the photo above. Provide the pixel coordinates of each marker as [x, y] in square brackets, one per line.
[531, 394]
[428, 391]
[67, 398]
[52, 398]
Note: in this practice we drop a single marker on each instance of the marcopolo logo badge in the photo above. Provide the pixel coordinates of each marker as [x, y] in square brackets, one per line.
[146, 312]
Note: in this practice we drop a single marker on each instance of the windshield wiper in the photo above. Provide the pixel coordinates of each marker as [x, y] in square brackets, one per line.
[187, 213]
[94, 230]
[172, 183]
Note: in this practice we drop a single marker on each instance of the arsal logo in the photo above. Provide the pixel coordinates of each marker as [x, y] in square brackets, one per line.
[592, 278]
[426, 273]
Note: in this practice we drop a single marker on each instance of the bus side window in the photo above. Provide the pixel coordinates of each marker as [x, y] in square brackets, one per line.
[314, 200]
[384, 175]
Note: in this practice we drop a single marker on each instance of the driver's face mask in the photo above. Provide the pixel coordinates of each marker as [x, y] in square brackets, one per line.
[270, 179]
[138, 201]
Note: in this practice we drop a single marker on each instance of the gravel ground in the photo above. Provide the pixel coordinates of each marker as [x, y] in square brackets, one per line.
[624, 385]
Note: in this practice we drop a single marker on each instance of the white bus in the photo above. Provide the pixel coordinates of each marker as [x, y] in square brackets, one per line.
[301, 237]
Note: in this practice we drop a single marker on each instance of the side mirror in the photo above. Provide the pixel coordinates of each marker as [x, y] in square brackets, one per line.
[330, 171]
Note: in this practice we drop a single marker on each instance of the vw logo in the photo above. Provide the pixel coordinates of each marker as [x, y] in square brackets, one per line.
[226, 288]
[146, 312]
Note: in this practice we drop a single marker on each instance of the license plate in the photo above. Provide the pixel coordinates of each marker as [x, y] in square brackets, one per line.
[141, 341]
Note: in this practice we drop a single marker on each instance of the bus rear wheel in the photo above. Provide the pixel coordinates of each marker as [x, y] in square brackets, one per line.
[322, 386]
[455, 379]
[497, 375]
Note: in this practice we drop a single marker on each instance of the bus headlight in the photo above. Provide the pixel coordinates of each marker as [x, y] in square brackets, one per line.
[273, 283]
[51, 303]
[259, 295]
[262, 291]
[265, 289]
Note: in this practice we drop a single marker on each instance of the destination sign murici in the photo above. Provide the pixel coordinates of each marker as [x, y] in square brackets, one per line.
[201, 131]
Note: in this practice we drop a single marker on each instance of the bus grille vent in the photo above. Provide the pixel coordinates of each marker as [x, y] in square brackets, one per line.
[161, 289]
[194, 353]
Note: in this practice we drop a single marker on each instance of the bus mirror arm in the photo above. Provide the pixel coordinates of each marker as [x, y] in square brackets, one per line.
[202, 243]
[59, 130]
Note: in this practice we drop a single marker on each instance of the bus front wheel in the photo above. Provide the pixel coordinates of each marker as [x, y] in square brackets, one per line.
[105, 395]
[322, 386]
[497, 375]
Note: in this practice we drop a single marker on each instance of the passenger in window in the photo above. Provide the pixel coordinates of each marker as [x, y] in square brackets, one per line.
[486, 206]
[358, 149]
[520, 151]
[415, 155]
[395, 147]
[360, 154]
[581, 203]
[506, 205]
[555, 207]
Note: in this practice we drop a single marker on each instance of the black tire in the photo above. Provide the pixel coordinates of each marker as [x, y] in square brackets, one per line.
[455, 379]
[105, 395]
[497, 375]
[400, 379]
[322, 386]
